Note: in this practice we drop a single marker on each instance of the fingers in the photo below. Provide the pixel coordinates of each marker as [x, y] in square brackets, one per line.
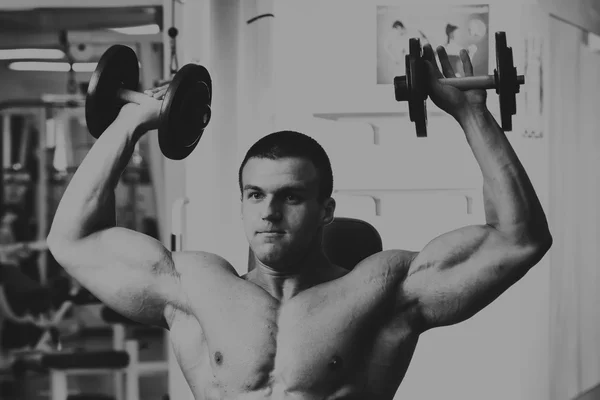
[429, 57]
[445, 62]
[158, 92]
[158, 88]
[466, 61]
[433, 70]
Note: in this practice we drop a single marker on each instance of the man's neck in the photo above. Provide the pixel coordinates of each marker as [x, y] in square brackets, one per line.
[283, 283]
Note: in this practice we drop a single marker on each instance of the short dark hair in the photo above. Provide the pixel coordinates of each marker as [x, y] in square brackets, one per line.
[450, 30]
[398, 24]
[283, 144]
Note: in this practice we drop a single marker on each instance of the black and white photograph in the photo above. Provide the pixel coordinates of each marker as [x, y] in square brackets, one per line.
[266, 200]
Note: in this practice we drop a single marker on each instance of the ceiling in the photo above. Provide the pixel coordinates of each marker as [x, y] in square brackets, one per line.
[81, 32]
[41, 20]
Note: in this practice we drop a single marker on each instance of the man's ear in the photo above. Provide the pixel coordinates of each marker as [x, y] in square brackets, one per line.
[329, 211]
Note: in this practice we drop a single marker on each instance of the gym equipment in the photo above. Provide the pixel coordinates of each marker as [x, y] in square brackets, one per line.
[88, 396]
[29, 311]
[40, 361]
[185, 110]
[413, 86]
[39, 245]
[348, 241]
[110, 316]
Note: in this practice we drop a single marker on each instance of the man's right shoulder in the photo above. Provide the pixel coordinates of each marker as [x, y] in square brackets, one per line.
[197, 263]
[196, 271]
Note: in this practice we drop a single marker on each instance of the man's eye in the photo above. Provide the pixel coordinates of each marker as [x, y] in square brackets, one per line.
[254, 195]
[292, 198]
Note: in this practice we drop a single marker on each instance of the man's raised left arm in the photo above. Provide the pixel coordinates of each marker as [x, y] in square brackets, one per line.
[459, 273]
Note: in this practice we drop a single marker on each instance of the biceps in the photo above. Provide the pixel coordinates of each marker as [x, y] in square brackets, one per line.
[460, 273]
[128, 271]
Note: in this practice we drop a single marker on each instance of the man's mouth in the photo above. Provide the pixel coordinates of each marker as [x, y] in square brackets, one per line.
[271, 233]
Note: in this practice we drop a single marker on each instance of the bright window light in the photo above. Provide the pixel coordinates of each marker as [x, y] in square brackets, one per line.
[39, 54]
[138, 30]
[84, 67]
[51, 66]
[39, 66]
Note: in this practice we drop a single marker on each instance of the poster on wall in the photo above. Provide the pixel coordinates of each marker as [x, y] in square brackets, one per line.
[454, 27]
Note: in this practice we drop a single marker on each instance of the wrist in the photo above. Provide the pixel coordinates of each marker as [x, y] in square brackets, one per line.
[128, 126]
[471, 113]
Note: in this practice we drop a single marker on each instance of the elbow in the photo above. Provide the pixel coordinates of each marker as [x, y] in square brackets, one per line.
[61, 237]
[56, 245]
[546, 243]
[53, 240]
[531, 242]
[536, 236]
[62, 252]
[539, 243]
[541, 238]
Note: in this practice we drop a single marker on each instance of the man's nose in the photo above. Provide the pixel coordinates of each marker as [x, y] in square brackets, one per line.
[271, 210]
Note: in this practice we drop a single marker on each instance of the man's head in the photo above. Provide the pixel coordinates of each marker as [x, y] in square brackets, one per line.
[399, 26]
[451, 32]
[286, 183]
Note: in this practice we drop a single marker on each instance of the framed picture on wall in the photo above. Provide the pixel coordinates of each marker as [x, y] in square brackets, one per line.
[454, 27]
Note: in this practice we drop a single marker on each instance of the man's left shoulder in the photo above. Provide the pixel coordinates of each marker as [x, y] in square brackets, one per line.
[392, 263]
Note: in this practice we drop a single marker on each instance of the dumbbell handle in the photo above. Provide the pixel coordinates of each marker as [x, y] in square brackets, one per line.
[476, 82]
[131, 96]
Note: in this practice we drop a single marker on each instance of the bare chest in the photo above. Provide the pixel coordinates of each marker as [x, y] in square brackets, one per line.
[318, 345]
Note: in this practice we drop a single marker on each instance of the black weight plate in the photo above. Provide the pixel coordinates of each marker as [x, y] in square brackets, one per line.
[513, 83]
[118, 68]
[506, 76]
[415, 78]
[401, 88]
[185, 111]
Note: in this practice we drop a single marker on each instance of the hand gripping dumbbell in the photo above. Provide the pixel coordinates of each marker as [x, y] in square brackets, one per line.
[185, 110]
[413, 86]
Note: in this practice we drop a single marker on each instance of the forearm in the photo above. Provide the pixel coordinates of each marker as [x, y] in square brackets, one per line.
[512, 206]
[88, 204]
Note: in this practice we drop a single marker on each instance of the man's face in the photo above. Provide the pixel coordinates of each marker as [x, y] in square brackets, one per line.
[457, 35]
[280, 209]
[401, 31]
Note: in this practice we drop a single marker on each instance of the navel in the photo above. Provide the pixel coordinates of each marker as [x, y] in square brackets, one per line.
[218, 358]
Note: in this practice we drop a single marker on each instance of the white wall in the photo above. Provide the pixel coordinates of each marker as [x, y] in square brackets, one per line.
[575, 144]
[582, 13]
[324, 64]
[211, 171]
[238, 62]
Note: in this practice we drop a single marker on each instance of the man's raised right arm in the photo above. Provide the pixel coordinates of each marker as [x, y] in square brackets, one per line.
[130, 272]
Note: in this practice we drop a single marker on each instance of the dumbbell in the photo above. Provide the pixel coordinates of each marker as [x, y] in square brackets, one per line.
[185, 110]
[413, 86]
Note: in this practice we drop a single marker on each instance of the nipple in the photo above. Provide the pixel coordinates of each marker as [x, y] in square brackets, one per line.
[335, 363]
[218, 358]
